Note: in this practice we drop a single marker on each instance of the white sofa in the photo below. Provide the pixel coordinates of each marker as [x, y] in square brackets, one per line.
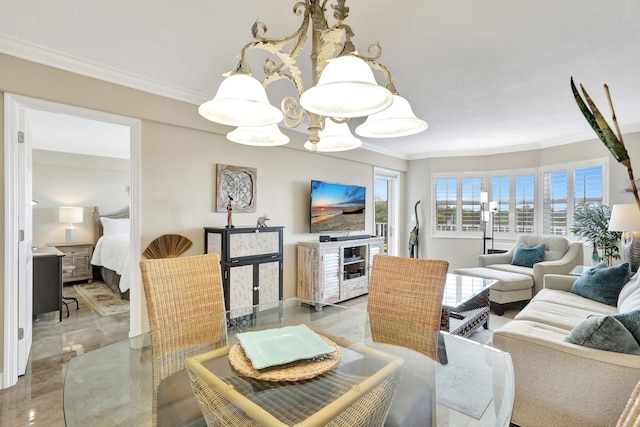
[517, 283]
[559, 383]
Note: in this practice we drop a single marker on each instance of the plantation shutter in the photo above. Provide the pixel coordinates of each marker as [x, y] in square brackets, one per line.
[470, 205]
[524, 203]
[555, 192]
[500, 193]
[446, 204]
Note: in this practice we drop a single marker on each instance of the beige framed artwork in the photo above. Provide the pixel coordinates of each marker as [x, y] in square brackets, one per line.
[238, 185]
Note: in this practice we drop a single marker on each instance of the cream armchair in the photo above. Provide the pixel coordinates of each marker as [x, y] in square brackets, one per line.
[518, 283]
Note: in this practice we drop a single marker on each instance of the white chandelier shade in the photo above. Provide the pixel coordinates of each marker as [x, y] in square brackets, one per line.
[397, 120]
[334, 137]
[241, 101]
[346, 88]
[260, 136]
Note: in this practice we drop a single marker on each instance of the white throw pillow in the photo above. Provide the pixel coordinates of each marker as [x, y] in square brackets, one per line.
[631, 288]
[111, 226]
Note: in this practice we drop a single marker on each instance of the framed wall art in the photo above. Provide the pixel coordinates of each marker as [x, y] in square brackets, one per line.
[238, 184]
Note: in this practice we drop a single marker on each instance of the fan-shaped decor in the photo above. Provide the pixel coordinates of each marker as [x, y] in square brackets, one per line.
[167, 246]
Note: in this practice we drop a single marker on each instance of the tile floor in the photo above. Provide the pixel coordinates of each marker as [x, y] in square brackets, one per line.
[37, 399]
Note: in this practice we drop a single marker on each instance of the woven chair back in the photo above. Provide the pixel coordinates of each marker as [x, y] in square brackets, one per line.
[409, 289]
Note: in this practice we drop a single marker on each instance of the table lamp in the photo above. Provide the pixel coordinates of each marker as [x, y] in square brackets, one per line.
[70, 215]
[626, 218]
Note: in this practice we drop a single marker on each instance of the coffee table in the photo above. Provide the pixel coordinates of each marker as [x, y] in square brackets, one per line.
[465, 304]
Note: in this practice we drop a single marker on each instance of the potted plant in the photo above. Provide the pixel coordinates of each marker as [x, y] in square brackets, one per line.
[591, 222]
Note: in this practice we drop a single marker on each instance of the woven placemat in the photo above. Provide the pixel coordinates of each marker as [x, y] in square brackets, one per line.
[296, 371]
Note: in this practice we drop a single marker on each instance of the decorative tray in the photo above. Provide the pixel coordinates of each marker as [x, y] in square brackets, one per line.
[296, 371]
[273, 347]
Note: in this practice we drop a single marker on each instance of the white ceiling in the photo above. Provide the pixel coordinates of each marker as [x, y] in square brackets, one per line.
[488, 76]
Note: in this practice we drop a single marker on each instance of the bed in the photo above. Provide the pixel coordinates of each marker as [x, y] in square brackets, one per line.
[112, 254]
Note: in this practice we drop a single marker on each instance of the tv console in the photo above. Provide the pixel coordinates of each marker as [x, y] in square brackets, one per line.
[338, 270]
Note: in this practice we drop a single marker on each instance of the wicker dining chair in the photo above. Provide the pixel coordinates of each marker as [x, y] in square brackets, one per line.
[631, 415]
[186, 314]
[405, 309]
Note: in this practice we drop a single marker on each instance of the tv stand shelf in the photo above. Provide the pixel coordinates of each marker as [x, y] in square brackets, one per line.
[335, 271]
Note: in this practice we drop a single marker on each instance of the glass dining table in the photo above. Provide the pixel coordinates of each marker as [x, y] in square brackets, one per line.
[464, 382]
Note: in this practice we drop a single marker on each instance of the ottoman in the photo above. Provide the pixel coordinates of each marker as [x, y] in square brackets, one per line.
[511, 287]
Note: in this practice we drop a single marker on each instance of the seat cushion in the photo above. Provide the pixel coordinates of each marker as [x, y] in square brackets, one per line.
[569, 299]
[557, 315]
[507, 281]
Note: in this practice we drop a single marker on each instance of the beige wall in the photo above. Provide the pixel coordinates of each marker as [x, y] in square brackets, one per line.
[64, 179]
[179, 153]
[463, 252]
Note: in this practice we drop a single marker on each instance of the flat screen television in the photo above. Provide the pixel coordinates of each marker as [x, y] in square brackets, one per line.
[337, 207]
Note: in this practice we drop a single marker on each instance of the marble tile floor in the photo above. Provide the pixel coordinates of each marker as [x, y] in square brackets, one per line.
[37, 398]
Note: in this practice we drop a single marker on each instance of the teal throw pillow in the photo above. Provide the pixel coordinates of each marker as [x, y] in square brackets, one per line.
[631, 321]
[526, 256]
[601, 283]
[604, 333]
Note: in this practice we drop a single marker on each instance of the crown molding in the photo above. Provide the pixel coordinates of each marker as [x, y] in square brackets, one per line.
[53, 58]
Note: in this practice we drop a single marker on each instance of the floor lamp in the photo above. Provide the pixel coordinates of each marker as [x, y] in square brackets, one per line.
[626, 218]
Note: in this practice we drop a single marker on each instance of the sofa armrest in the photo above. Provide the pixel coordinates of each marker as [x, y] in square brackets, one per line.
[572, 258]
[488, 259]
[560, 282]
[558, 383]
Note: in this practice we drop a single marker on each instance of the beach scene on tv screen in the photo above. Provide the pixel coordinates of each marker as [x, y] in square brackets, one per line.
[337, 207]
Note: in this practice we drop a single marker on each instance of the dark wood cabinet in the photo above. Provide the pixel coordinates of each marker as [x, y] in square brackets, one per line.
[251, 265]
[47, 281]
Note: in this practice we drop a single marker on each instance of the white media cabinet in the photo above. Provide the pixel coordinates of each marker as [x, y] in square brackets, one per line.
[334, 271]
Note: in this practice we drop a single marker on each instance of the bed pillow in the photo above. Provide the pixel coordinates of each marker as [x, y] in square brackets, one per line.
[604, 333]
[111, 226]
[526, 256]
[601, 283]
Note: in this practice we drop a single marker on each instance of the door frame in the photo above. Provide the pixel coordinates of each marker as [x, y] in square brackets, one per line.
[12, 104]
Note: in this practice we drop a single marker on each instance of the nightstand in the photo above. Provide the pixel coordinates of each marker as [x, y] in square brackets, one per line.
[77, 261]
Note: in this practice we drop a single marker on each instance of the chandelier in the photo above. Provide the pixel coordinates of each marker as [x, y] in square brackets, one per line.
[343, 86]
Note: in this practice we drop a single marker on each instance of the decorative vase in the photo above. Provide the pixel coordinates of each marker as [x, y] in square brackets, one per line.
[595, 257]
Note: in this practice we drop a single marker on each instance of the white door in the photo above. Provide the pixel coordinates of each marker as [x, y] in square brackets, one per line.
[25, 241]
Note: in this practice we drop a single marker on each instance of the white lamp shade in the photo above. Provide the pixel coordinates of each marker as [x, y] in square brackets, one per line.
[346, 88]
[70, 215]
[241, 101]
[397, 120]
[625, 218]
[262, 136]
[334, 137]
[484, 197]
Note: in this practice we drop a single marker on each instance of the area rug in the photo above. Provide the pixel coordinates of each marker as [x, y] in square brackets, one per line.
[99, 297]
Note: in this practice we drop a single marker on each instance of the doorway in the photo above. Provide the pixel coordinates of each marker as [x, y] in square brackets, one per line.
[386, 184]
[15, 108]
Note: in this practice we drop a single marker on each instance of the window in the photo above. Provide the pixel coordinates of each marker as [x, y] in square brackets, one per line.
[529, 201]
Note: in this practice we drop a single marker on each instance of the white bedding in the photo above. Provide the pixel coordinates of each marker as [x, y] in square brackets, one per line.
[113, 252]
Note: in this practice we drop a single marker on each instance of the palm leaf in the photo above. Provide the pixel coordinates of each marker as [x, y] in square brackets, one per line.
[600, 125]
